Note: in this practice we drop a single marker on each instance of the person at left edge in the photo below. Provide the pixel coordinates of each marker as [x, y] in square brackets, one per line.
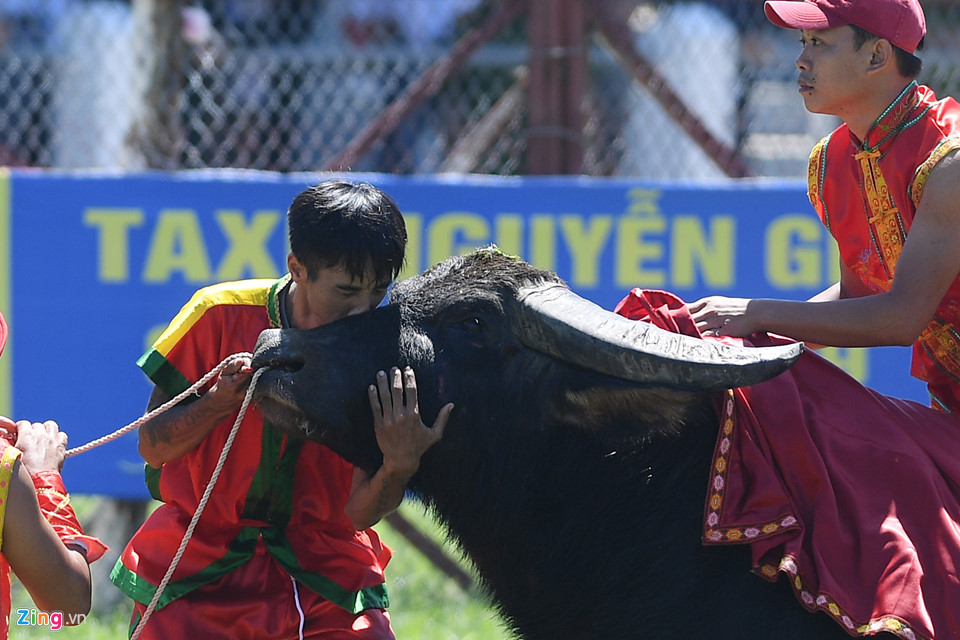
[41, 539]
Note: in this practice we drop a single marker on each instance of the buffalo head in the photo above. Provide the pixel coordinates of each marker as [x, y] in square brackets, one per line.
[511, 346]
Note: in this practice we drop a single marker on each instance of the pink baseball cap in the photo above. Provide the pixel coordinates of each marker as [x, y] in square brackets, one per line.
[3, 332]
[899, 21]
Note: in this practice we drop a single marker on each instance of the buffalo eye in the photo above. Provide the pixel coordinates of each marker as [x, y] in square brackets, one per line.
[472, 325]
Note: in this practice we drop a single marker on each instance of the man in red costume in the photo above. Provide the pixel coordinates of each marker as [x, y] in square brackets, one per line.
[283, 548]
[886, 184]
[42, 539]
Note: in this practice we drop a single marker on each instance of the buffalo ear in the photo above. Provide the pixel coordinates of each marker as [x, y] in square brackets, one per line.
[630, 412]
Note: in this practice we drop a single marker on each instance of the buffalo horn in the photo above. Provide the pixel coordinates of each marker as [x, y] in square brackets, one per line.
[556, 321]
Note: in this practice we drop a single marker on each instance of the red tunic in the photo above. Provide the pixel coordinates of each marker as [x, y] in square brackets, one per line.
[854, 495]
[282, 493]
[866, 193]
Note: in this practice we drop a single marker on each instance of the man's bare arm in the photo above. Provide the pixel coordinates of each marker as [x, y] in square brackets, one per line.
[928, 264]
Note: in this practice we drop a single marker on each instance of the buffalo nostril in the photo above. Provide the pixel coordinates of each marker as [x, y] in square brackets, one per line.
[290, 362]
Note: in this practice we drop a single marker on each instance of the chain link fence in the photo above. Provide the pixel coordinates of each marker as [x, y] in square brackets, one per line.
[658, 89]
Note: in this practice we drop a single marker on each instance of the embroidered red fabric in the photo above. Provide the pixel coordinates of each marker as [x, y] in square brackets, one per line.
[867, 193]
[852, 494]
[55, 506]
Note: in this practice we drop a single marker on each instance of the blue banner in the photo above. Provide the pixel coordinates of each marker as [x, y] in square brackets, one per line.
[93, 266]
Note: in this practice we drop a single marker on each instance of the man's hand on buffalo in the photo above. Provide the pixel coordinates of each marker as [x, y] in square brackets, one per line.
[401, 433]
[403, 438]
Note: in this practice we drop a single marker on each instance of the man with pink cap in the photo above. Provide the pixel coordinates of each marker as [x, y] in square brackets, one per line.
[886, 184]
[40, 535]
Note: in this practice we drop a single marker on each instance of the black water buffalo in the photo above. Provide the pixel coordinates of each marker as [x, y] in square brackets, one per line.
[573, 470]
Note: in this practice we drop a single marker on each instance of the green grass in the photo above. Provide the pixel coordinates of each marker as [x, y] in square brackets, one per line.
[112, 626]
[425, 603]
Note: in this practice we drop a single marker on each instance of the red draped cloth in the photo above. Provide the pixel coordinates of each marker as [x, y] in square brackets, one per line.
[854, 495]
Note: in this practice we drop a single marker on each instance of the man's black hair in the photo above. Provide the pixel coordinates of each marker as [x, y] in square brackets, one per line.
[354, 226]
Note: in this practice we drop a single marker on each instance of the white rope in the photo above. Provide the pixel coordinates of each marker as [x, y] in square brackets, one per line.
[203, 503]
[149, 416]
[296, 600]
